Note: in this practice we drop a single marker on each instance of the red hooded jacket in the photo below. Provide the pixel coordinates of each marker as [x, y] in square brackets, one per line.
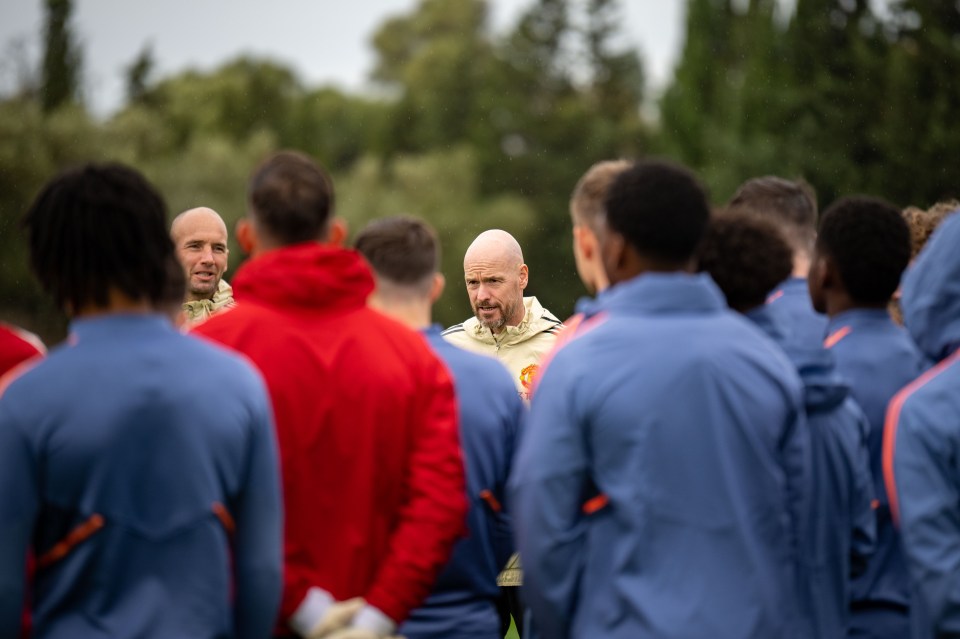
[366, 423]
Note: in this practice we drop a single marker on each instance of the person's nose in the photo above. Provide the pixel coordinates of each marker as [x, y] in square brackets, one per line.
[206, 255]
[482, 293]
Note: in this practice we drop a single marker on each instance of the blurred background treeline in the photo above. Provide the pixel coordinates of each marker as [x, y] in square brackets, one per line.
[474, 129]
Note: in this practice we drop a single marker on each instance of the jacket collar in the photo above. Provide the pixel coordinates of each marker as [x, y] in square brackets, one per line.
[535, 320]
[656, 293]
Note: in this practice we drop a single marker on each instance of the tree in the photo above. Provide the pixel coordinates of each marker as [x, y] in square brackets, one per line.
[61, 59]
[138, 75]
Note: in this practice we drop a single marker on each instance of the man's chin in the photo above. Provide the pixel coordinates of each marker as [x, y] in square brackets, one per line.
[493, 325]
[205, 293]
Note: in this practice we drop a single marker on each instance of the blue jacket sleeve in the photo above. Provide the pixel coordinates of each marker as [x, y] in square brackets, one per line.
[925, 475]
[19, 503]
[547, 489]
[503, 535]
[863, 515]
[258, 542]
[797, 465]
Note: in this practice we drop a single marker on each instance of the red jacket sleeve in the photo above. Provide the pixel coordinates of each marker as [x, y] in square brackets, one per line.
[434, 515]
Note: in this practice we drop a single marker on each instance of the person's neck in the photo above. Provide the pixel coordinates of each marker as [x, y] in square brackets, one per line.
[842, 303]
[801, 265]
[194, 297]
[414, 314]
[117, 303]
[642, 265]
[516, 320]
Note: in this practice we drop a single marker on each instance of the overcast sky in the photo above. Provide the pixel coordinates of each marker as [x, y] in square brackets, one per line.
[326, 42]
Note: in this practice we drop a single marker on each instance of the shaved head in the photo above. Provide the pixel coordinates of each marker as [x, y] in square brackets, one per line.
[200, 238]
[184, 220]
[495, 276]
[494, 245]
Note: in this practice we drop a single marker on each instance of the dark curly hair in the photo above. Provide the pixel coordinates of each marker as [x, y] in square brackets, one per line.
[660, 208]
[747, 256]
[96, 228]
[869, 242]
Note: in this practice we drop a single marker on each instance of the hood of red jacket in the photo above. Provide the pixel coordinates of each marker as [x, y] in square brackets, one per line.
[305, 276]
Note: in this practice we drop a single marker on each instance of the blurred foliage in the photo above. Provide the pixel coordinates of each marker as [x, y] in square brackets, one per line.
[852, 100]
[61, 57]
[473, 129]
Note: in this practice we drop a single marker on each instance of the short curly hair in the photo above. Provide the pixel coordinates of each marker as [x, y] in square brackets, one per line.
[923, 223]
[660, 208]
[747, 256]
[869, 241]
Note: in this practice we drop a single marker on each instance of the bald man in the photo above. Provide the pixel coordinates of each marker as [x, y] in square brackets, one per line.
[200, 237]
[515, 329]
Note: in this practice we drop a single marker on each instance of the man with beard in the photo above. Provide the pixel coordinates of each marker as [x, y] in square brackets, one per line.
[200, 237]
[515, 329]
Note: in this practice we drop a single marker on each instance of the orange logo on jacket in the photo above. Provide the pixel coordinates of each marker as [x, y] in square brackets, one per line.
[528, 374]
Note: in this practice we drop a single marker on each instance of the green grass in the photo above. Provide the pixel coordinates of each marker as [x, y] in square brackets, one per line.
[512, 633]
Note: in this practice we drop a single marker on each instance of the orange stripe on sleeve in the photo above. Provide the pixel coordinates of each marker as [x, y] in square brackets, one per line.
[491, 500]
[76, 536]
[594, 504]
[891, 424]
[834, 338]
[224, 516]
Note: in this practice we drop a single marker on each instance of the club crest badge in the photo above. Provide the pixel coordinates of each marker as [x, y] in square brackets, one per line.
[528, 375]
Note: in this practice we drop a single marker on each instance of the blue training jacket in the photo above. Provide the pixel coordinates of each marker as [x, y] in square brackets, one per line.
[659, 488]
[922, 441]
[842, 528]
[140, 465]
[463, 602]
[877, 358]
[802, 327]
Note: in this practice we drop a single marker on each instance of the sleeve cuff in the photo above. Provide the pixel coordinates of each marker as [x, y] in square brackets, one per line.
[370, 618]
[311, 610]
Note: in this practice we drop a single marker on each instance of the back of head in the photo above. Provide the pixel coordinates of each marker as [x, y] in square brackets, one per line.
[403, 252]
[587, 201]
[869, 242]
[923, 223]
[98, 228]
[746, 256]
[291, 198]
[660, 209]
[931, 293]
[792, 205]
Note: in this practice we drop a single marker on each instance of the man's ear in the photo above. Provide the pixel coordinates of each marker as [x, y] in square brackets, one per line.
[337, 232]
[586, 241]
[436, 289]
[821, 278]
[614, 256]
[246, 236]
[524, 276]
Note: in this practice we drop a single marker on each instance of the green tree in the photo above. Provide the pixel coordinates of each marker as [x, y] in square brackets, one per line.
[919, 104]
[61, 58]
[138, 75]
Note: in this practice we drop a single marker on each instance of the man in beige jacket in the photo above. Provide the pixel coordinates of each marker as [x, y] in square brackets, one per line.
[515, 329]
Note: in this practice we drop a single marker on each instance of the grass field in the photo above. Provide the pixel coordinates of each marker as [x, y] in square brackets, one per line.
[512, 633]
